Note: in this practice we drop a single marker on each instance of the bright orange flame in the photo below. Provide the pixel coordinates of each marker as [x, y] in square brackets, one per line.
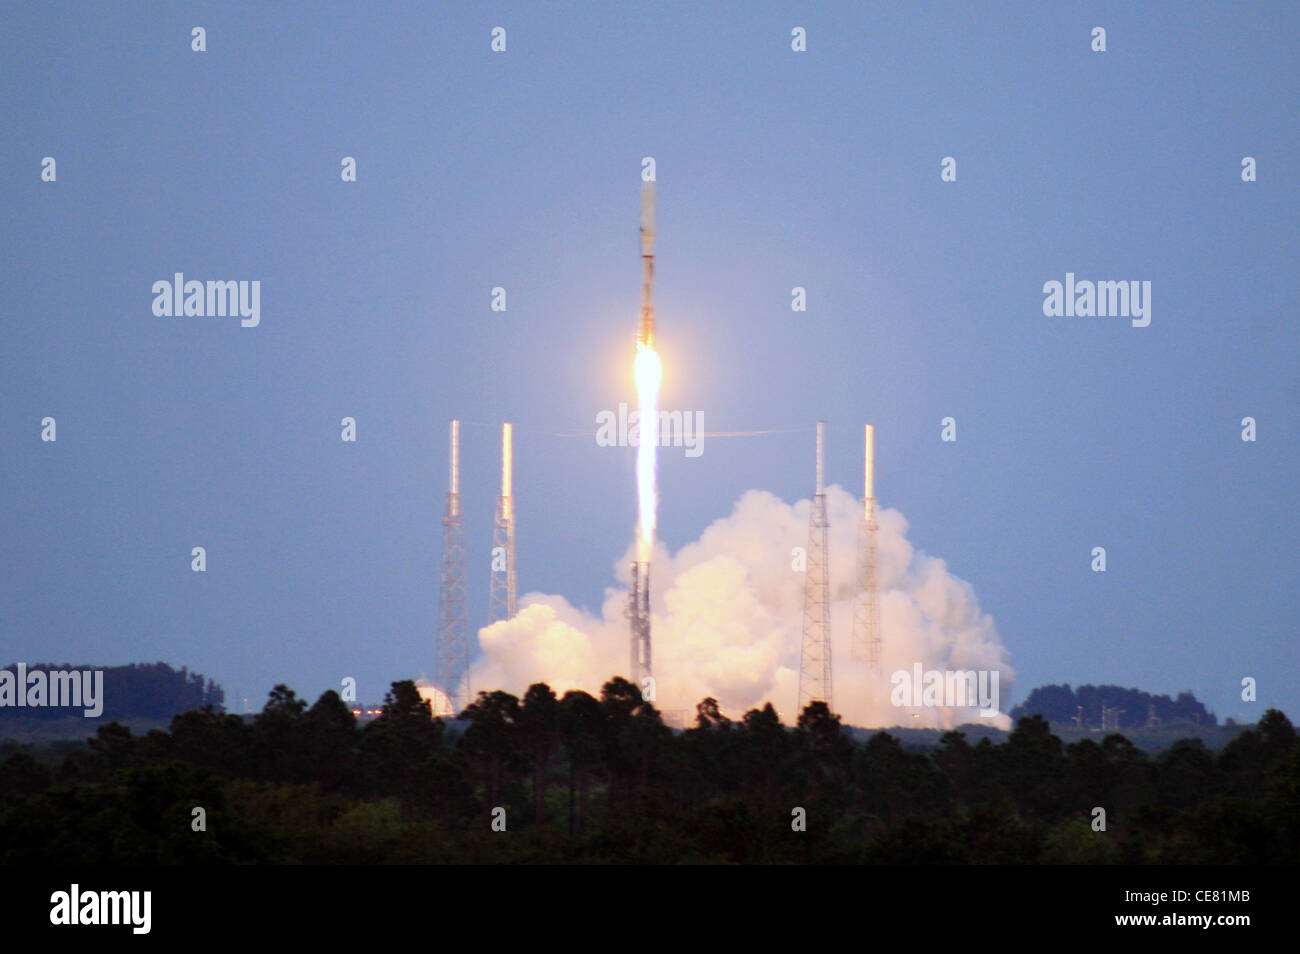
[649, 375]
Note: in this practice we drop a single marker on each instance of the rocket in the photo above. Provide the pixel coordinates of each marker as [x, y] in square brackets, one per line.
[645, 334]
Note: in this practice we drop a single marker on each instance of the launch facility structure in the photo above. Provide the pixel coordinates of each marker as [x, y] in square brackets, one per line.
[815, 650]
[452, 649]
[501, 592]
[452, 656]
[866, 602]
[815, 670]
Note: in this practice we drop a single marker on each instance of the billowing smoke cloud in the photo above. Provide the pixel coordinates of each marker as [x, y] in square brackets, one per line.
[727, 622]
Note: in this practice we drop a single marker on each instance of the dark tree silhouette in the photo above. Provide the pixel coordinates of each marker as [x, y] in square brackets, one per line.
[581, 732]
[491, 744]
[299, 784]
[539, 732]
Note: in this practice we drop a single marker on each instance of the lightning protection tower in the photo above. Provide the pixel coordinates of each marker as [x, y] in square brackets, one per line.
[501, 596]
[452, 656]
[866, 604]
[815, 656]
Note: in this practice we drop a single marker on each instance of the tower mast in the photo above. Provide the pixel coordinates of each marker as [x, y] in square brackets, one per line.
[501, 596]
[866, 605]
[815, 655]
[452, 657]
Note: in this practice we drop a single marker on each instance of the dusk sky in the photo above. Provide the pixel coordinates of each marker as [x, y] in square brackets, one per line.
[522, 169]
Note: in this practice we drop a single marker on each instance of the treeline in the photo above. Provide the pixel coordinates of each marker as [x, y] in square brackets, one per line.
[153, 691]
[1131, 708]
[586, 779]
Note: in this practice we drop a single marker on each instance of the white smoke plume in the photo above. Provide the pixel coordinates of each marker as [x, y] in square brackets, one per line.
[727, 622]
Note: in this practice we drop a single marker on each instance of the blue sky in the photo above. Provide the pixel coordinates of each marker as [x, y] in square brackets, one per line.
[521, 169]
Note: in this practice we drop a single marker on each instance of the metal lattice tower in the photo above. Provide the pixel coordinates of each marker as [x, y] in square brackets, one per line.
[866, 603]
[638, 613]
[815, 655]
[501, 596]
[452, 656]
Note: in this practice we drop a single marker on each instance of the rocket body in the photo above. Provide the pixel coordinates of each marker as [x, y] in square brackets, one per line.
[645, 334]
[648, 372]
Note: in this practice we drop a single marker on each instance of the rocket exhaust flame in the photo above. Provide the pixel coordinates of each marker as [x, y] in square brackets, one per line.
[649, 374]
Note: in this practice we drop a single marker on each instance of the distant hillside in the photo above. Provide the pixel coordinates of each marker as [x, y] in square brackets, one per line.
[1127, 708]
[1153, 742]
[151, 692]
